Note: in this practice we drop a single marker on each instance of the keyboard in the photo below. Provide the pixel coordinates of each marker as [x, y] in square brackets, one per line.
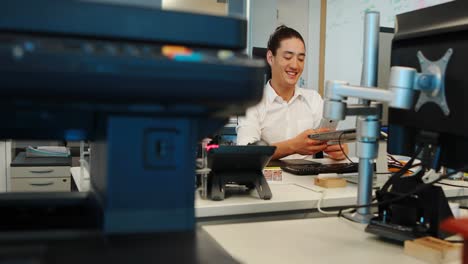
[314, 169]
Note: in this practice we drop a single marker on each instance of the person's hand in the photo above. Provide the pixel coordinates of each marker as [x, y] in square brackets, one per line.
[302, 144]
[335, 152]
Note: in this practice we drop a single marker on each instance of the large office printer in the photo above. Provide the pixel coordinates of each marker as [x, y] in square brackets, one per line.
[143, 85]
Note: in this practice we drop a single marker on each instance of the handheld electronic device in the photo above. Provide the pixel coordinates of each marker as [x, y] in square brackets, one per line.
[328, 123]
[342, 135]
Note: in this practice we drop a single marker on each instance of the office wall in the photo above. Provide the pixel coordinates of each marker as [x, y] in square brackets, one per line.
[313, 43]
[262, 21]
[345, 22]
[294, 13]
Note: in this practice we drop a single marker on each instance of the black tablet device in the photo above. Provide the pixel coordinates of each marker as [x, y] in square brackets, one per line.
[342, 135]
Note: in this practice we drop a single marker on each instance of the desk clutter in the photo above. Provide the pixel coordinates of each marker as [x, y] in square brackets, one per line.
[47, 151]
[40, 174]
[273, 174]
[330, 182]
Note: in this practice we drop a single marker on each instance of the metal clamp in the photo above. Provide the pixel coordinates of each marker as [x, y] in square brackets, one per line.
[431, 81]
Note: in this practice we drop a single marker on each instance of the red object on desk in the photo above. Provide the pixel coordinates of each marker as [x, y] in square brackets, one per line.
[459, 226]
[212, 146]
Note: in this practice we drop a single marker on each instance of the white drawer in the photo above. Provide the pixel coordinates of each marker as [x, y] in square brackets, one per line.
[41, 172]
[41, 184]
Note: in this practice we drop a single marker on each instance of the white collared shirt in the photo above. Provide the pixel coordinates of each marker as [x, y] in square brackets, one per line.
[274, 120]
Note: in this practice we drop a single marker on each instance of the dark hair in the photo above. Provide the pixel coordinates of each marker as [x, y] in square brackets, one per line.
[281, 33]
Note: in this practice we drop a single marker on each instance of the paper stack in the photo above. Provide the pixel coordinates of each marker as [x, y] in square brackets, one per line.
[47, 151]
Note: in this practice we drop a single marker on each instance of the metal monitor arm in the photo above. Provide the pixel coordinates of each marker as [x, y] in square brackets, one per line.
[402, 87]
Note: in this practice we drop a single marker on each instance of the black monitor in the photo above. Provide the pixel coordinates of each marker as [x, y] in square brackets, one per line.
[260, 53]
[433, 31]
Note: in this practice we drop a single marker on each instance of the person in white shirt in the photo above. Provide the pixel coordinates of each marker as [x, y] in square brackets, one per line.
[287, 114]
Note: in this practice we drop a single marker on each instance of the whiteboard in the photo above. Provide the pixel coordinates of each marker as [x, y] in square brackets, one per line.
[344, 35]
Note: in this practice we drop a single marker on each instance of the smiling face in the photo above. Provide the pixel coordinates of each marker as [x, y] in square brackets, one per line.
[288, 63]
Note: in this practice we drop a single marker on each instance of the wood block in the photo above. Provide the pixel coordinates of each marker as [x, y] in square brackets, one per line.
[334, 182]
[433, 250]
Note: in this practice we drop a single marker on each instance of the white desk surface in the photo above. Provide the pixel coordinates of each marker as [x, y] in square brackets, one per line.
[82, 181]
[292, 193]
[316, 240]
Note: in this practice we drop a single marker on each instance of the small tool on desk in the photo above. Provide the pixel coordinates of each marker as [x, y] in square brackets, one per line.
[433, 250]
[329, 181]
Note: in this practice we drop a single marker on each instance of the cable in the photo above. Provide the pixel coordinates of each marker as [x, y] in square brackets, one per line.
[402, 171]
[395, 160]
[341, 148]
[352, 162]
[391, 157]
[351, 211]
[319, 203]
[416, 190]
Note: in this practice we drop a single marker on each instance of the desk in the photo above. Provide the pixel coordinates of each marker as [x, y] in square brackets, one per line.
[82, 182]
[317, 240]
[291, 194]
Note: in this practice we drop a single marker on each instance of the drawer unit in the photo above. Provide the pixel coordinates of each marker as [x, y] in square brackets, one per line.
[34, 172]
[40, 184]
[43, 174]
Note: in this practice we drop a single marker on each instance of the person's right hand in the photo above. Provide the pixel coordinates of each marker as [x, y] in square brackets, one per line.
[302, 144]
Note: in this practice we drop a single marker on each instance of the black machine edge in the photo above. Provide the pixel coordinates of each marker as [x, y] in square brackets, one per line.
[443, 18]
[122, 22]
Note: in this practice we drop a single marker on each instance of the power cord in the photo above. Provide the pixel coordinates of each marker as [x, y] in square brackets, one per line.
[402, 171]
[391, 157]
[416, 190]
[341, 148]
[389, 182]
[319, 203]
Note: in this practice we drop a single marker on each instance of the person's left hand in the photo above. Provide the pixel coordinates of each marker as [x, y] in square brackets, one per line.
[335, 152]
